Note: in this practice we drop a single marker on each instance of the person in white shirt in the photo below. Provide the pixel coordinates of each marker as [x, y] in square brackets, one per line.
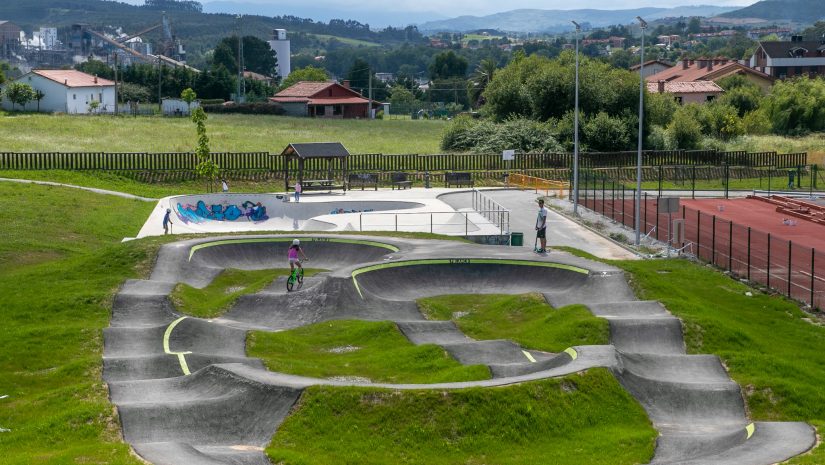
[541, 227]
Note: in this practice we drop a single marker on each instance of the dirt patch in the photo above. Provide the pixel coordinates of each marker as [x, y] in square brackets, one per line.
[343, 349]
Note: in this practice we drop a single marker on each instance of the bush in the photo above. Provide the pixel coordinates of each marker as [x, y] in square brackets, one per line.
[457, 135]
[246, 108]
[604, 133]
[797, 106]
[744, 99]
[683, 132]
[212, 101]
[723, 121]
[657, 139]
[757, 123]
[484, 136]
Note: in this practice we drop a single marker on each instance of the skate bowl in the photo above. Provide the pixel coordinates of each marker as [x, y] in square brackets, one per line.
[187, 393]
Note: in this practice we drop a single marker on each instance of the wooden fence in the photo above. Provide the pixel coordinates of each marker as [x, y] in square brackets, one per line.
[262, 162]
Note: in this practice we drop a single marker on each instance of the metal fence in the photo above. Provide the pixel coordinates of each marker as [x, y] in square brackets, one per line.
[795, 270]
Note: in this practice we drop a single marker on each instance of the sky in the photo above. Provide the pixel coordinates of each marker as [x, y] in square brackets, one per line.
[483, 7]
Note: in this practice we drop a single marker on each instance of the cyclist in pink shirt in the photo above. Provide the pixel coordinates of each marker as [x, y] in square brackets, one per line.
[294, 250]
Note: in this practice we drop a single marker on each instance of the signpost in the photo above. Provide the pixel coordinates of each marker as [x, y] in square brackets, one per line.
[508, 156]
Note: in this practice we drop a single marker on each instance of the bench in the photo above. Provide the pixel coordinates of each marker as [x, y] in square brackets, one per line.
[363, 180]
[319, 185]
[458, 179]
[400, 181]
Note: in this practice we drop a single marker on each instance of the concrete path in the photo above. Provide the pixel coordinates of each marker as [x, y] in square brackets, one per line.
[90, 189]
[187, 394]
[560, 230]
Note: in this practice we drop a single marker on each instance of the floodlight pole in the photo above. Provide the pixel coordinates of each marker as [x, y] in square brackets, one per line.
[576, 130]
[638, 203]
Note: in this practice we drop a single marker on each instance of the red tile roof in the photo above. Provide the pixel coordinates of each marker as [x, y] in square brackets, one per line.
[696, 87]
[304, 89]
[693, 72]
[338, 101]
[72, 78]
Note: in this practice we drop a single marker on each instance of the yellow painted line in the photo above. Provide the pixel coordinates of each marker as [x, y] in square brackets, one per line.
[529, 356]
[461, 261]
[181, 355]
[750, 429]
[195, 248]
[572, 353]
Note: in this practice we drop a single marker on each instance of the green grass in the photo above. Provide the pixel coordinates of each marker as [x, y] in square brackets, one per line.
[216, 298]
[347, 40]
[580, 419]
[227, 133]
[60, 264]
[814, 144]
[373, 350]
[525, 319]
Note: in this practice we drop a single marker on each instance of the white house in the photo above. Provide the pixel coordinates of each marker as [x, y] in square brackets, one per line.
[67, 91]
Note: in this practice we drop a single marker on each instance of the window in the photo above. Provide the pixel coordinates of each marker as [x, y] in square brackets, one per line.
[710, 98]
[678, 99]
[74, 96]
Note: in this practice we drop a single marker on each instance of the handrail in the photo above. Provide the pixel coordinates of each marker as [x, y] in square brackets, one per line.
[432, 222]
[533, 182]
[492, 210]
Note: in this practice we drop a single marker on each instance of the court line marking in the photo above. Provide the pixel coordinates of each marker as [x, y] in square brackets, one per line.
[750, 430]
[572, 353]
[529, 356]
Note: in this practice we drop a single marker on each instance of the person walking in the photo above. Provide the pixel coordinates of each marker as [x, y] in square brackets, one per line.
[224, 186]
[167, 221]
[298, 191]
[541, 227]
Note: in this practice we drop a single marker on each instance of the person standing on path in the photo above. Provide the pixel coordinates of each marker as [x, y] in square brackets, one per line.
[167, 221]
[224, 186]
[298, 191]
[541, 227]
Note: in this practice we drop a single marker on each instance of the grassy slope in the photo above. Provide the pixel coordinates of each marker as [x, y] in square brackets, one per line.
[572, 420]
[60, 263]
[373, 350]
[214, 299]
[241, 133]
[525, 319]
[767, 343]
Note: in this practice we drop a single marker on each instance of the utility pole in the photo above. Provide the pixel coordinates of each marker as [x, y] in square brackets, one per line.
[369, 93]
[116, 101]
[638, 202]
[160, 75]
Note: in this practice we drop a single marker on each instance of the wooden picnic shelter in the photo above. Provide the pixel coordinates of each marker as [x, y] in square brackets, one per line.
[334, 153]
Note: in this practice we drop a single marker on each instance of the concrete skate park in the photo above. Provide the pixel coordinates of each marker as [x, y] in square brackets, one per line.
[187, 392]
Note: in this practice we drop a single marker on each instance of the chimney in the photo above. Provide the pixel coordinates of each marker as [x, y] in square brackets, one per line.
[661, 86]
[345, 83]
[95, 78]
[65, 82]
[685, 63]
[710, 65]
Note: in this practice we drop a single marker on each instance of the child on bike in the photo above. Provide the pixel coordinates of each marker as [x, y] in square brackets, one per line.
[294, 250]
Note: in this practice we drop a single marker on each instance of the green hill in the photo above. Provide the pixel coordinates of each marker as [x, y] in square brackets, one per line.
[200, 32]
[804, 11]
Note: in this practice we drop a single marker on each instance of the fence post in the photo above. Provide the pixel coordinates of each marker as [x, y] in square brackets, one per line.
[770, 170]
[790, 244]
[604, 180]
[813, 279]
[693, 183]
[623, 206]
[749, 253]
[661, 171]
[730, 248]
[769, 261]
[360, 221]
[431, 223]
[727, 179]
[713, 241]
[396, 222]
[699, 234]
[645, 214]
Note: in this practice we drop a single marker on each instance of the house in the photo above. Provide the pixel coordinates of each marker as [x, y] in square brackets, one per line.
[324, 100]
[687, 92]
[68, 91]
[710, 69]
[652, 67]
[9, 35]
[258, 77]
[788, 59]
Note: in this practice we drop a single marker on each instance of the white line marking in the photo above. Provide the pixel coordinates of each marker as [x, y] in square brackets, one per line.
[529, 356]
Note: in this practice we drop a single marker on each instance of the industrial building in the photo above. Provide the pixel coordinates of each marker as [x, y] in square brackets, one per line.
[280, 44]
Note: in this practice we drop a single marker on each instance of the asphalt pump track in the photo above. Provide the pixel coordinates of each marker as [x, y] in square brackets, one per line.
[186, 392]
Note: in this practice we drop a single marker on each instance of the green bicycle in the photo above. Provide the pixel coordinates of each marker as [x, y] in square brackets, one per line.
[296, 277]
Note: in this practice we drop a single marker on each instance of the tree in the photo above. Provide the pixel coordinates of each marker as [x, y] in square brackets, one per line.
[401, 99]
[482, 76]
[310, 73]
[258, 57]
[206, 167]
[38, 95]
[797, 106]
[19, 93]
[188, 95]
[359, 80]
[448, 65]
[94, 105]
[129, 92]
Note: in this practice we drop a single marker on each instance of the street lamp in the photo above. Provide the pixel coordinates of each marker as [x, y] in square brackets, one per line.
[642, 26]
[576, 130]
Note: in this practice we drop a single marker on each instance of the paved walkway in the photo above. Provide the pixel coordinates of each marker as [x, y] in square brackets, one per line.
[561, 231]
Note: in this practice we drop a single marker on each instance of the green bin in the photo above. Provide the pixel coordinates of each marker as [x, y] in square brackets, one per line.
[516, 239]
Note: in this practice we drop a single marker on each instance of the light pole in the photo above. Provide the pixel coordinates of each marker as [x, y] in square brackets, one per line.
[642, 26]
[576, 130]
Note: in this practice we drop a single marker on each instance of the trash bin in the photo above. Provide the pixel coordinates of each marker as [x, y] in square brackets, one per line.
[516, 239]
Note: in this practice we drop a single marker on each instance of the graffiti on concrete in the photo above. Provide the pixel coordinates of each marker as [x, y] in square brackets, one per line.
[199, 212]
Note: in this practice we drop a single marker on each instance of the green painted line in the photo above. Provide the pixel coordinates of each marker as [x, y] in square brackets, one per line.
[195, 248]
[572, 353]
[461, 261]
[181, 355]
[751, 428]
[529, 356]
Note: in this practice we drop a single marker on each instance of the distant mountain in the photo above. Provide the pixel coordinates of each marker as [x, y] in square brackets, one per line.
[550, 21]
[803, 11]
[375, 17]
